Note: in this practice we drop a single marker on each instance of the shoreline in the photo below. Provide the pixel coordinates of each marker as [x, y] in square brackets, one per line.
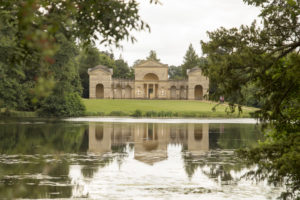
[165, 120]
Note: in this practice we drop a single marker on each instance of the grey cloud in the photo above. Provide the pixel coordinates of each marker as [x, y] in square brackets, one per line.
[177, 23]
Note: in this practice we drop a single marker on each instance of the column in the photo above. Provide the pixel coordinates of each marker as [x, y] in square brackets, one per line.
[147, 91]
[156, 91]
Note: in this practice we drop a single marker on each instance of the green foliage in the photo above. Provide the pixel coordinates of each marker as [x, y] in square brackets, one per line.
[68, 105]
[65, 100]
[152, 56]
[117, 113]
[122, 70]
[137, 113]
[82, 19]
[107, 61]
[175, 73]
[264, 62]
[38, 49]
[190, 60]
[89, 57]
[278, 162]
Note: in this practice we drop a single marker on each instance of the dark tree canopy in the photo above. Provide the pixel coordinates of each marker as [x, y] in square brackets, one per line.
[265, 60]
[89, 57]
[122, 69]
[266, 57]
[35, 41]
[38, 20]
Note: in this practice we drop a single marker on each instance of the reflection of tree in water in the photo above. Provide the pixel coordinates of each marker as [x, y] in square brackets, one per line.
[119, 153]
[91, 167]
[221, 162]
[219, 169]
[238, 136]
[234, 136]
[37, 175]
[40, 138]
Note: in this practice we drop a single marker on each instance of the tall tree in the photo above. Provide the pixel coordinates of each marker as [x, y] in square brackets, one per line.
[153, 56]
[107, 61]
[122, 69]
[27, 58]
[266, 57]
[89, 57]
[65, 98]
[190, 60]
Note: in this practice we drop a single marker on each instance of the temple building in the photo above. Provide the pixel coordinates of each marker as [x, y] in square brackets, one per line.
[151, 82]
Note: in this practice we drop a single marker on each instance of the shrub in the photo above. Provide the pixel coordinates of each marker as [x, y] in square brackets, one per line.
[94, 113]
[151, 114]
[69, 105]
[117, 113]
[137, 113]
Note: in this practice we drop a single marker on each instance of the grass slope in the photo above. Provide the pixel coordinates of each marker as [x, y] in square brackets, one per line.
[152, 108]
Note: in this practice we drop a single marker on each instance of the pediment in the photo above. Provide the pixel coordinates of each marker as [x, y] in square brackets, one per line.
[150, 63]
[100, 68]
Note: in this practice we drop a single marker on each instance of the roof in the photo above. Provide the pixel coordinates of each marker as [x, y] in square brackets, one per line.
[102, 68]
[150, 63]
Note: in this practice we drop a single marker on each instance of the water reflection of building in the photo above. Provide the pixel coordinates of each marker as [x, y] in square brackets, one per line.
[150, 143]
[150, 140]
[198, 142]
[99, 138]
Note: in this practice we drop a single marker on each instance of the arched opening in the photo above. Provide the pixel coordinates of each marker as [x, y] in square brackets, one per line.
[99, 91]
[198, 135]
[151, 77]
[182, 93]
[173, 92]
[118, 92]
[128, 92]
[198, 92]
[99, 133]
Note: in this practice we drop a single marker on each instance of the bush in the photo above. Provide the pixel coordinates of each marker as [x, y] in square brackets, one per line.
[94, 114]
[189, 114]
[69, 105]
[137, 113]
[117, 113]
[151, 114]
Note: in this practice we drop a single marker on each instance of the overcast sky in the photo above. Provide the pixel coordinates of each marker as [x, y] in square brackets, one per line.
[177, 23]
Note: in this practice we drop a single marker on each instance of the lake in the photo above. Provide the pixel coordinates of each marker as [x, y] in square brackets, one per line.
[107, 158]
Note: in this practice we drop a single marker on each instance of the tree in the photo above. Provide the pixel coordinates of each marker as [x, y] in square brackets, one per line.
[107, 61]
[29, 43]
[152, 56]
[268, 59]
[40, 19]
[65, 98]
[190, 60]
[175, 73]
[89, 57]
[122, 69]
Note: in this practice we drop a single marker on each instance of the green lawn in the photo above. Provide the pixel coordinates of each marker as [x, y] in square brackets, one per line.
[151, 108]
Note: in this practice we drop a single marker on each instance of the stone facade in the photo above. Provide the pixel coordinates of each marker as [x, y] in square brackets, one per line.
[150, 140]
[151, 82]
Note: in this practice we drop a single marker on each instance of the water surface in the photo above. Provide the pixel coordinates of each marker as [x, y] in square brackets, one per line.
[114, 160]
